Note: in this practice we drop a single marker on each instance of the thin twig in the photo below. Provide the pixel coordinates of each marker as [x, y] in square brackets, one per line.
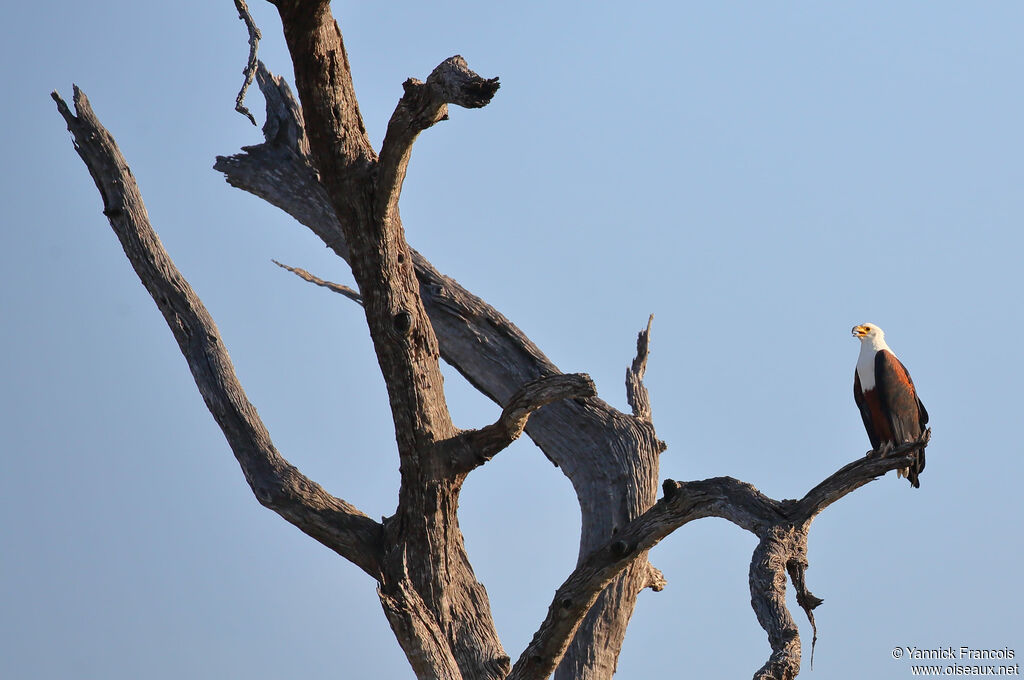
[250, 68]
[329, 285]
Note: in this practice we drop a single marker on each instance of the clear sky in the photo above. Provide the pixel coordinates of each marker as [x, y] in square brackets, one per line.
[760, 176]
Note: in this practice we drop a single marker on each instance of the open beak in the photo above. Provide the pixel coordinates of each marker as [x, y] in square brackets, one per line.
[859, 331]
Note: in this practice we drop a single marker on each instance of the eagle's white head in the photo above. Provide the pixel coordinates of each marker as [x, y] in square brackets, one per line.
[869, 332]
[872, 340]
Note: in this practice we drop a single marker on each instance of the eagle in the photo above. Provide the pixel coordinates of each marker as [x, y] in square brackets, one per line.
[889, 406]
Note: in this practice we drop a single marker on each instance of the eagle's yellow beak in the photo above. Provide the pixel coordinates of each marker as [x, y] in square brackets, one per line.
[859, 331]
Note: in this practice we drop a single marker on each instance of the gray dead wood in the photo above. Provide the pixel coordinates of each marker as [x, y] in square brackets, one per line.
[636, 393]
[606, 454]
[329, 285]
[437, 609]
[475, 447]
[781, 527]
[250, 66]
[423, 105]
[275, 483]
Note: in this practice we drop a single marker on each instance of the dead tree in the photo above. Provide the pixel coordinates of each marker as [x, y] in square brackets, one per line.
[318, 165]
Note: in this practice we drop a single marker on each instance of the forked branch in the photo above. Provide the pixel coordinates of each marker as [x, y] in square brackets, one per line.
[276, 483]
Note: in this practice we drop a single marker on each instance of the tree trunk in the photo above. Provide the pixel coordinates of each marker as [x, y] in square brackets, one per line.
[335, 183]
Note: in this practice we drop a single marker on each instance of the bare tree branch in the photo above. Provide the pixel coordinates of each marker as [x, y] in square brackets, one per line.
[403, 338]
[250, 68]
[422, 638]
[636, 393]
[398, 289]
[611, 458]
[768, 599]
[489, 350]
[475, 447]
[277, 484]
[781, 526]
[422, 105]
[329, 285]
[656, 580]
[424, 530]
[855, 475]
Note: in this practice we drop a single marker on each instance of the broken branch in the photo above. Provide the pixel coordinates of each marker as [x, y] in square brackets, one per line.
[636, 393]
[423, 105]
[276, 483]
[323, 283]
[250, 67]
[475, 447]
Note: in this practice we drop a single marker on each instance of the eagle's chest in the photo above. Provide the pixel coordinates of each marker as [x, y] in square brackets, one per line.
[866, 368]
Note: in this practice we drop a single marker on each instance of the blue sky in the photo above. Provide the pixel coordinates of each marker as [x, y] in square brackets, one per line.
[759, 176]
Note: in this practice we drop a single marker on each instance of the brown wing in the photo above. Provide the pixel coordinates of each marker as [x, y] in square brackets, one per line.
[865, 411]
[905, 412]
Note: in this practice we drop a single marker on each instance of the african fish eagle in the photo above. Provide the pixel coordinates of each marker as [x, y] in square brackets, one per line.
[892, 412]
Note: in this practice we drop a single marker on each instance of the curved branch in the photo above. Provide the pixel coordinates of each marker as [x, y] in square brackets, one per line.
[277, 484]
[611, 459]
[424, 527]
[781, 526]
[250, 67]
[423, 105]
[491, 352]
[475, 447]
[855, 475]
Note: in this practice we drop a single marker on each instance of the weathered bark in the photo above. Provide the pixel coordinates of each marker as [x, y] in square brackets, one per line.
[250, 66]
[781, 526]
[427, 577]
[605, 453]
[276, 483]
[437, 609]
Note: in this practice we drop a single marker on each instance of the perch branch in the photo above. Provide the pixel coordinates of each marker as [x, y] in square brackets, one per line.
[855, 475]
[276, 483]
[250, 67]
[781, 526]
